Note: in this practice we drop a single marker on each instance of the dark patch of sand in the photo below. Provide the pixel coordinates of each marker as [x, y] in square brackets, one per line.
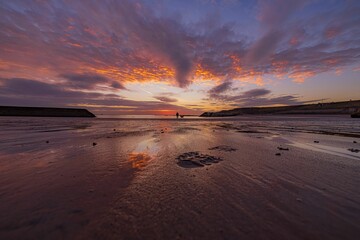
[196, 159]
[224, 148]
[283, 149]
[355, 150]
[182, 130]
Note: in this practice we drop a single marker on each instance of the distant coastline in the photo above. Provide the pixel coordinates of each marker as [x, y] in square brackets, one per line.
[347, 107]
[44, 112]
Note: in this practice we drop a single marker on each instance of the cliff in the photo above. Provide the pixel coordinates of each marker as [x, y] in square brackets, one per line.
[44, 112]
[348, 107]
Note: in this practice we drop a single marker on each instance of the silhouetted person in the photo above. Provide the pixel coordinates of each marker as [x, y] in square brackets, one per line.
[177, 115]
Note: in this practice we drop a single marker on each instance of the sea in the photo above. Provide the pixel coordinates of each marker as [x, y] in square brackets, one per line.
[24, 130]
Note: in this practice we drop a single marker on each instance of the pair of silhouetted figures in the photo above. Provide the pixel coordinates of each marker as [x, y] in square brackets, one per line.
[177, 115]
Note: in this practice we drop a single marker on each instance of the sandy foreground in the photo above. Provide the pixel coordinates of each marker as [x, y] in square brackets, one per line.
[179, 181]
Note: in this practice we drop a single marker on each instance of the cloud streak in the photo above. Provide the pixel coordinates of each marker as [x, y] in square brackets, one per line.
[165, 99]
[89, 81]
[256, 97]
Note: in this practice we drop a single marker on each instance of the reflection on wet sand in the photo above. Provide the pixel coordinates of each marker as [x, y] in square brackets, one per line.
[139, 160]
[327, 149]
[140, 182]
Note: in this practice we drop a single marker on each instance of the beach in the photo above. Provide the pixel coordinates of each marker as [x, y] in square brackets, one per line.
[258, 177]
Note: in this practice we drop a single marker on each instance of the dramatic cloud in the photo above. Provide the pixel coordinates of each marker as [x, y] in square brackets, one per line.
[275, 13]
[221, 88]
[165, 99]
[89, 81]
[257, 97]
[127, 41]
[255, 93]
[93, 47]
[20, 87]
[28, 92]
[264, 48]
[119, 39]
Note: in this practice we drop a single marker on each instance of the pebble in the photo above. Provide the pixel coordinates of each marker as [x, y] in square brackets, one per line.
[94, 143]
[354, 141]
[299, 199]
[354, 150]
[316, 141]
[278, 154]
[283, 149]
[47, 141]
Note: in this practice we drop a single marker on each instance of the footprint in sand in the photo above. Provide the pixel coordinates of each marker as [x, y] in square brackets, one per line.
[196, 159]
[224, 148]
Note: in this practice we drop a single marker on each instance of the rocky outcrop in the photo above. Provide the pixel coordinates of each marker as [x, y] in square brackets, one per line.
[355, 115]
[44, 112]
[348, 107]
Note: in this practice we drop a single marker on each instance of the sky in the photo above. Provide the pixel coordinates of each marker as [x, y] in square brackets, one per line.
[163, 56]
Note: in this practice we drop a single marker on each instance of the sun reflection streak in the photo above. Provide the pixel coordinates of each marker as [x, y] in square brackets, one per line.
[139, 160]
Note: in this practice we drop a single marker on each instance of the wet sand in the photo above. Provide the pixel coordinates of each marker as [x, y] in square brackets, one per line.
[177, 180]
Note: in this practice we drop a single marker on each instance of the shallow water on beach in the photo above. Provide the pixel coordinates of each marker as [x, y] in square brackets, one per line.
[16, 130]
[263, 177]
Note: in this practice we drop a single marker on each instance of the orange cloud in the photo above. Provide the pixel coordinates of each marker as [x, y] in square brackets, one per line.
[236, 63]
[204, 74]
[300, 77]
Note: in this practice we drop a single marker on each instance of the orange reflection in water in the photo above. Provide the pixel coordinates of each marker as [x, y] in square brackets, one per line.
[139, 160]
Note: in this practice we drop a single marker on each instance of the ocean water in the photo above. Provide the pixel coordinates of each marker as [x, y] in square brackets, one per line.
[21, 130]
[24, 134]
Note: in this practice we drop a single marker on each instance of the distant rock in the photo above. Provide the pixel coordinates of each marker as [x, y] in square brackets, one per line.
[283, 149]
[355, 115]
[44, 112]
[354, 150]
[346, 107]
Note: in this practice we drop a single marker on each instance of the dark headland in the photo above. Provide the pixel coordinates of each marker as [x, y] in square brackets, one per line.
[349, 107]
[44, 112]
